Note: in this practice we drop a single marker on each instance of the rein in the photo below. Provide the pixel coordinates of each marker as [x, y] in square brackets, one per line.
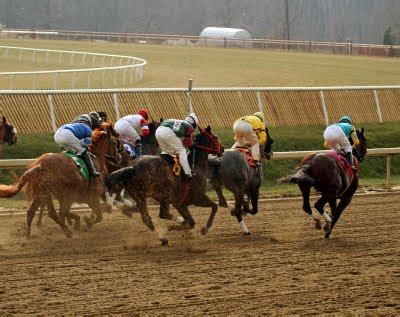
[215, 145]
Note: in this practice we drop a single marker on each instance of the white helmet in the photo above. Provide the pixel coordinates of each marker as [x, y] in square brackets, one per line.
[192, 119]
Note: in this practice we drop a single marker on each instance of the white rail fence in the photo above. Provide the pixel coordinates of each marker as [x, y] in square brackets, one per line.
[298, 155]
[123, 69]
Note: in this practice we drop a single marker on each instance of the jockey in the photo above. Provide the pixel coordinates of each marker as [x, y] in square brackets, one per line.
[132, 127]
[94, 116]
[251, 130]
[337, 138]
[75, 137]
[174, 136]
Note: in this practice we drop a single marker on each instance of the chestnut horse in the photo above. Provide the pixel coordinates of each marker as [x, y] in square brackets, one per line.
[327, 176]
[53, 175]
[8, 134]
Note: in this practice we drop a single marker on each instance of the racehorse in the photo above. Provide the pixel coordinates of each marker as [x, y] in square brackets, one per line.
[151, 177]
[8, 134]
[53, 175]
[325, 173]
[233, 171]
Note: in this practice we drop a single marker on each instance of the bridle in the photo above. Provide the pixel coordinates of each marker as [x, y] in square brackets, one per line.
[214, 148]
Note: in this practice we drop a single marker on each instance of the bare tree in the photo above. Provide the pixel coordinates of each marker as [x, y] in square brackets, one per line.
[293, 9]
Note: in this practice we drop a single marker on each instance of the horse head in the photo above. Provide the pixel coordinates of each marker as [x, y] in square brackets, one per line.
[360, 150]
[208, 142]
[149, 142]
[105, 142]
[8, 132]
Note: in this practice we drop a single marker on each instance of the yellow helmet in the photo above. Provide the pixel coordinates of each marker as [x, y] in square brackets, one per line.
[260, 115]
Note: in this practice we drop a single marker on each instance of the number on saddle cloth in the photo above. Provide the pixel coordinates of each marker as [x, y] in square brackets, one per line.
[174, 162]
[80, 164]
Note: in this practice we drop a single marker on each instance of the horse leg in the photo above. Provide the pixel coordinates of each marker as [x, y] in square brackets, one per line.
[239, 199]
[165, 214]
[218, 189]
[65, 206]
[319, 205]
[343, 203]
[142, 205]
[53, 215]
[39, 221]
[36, 203]
[254, 195]
[305, 191]
[96, 216]
[189, 222]
[205, 201]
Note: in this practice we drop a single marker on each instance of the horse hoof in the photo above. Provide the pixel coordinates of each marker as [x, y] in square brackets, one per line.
[327, 227]
[68, 233]
[247, 233]
[77, 227]
[223, 204]
[127, 212]
[164, 242]
[204, 231]
[327, 235]
[318, 224]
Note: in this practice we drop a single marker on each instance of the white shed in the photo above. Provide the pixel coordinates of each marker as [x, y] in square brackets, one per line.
[224, 37]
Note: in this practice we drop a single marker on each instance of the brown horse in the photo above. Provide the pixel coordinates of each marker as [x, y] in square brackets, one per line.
[328, 176]
[53, 175]
[8, 134]
[151, 177]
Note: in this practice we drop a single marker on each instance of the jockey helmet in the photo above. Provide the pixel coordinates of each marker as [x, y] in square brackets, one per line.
[144, 113]
[346, 119]
[192, 119]
[85, 118]
[103, 116]
[260, 115]
[96, 120]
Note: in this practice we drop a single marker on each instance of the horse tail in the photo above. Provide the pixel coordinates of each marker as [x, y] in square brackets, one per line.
[8, 191]
[303, 175]
[119, 178]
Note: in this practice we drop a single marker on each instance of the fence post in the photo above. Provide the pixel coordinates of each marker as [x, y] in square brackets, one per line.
[51, 111]
[388, 170]
[378, 107]
[259, 102]
[324, 109]
[116, 106]
[189, 97]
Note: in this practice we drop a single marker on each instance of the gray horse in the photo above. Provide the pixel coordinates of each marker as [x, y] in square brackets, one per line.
[234, 172]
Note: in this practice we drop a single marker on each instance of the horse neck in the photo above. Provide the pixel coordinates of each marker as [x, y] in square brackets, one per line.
[200, 158]
[2, 133]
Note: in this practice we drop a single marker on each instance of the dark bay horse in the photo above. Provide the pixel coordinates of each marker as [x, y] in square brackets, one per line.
[53, 175]
[8, 134]
[151, 177]
[327, 176]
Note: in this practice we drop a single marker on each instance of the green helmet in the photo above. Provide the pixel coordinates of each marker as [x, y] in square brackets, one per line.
[260, 115]
[346, 119]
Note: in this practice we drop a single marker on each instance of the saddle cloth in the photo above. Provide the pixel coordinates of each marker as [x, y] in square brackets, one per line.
[130, 148]
[173, 161]
[341, 159]
[248, 155]
[80, 164]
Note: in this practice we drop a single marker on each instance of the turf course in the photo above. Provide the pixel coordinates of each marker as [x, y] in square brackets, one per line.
[171, 66]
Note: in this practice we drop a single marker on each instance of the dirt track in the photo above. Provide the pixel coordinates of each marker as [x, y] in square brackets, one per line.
[284, 267]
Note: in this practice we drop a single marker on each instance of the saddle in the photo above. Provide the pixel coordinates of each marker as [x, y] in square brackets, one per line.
[80, 164]
[341, 159]
[173, 161]
[247, 154]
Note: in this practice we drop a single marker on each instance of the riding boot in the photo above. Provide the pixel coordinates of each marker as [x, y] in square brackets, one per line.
[139, 147]
[349, 157]
[92, 170]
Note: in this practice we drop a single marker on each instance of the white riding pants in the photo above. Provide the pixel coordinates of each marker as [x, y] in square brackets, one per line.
[126, 132]
[337, 139]
[244, 135]
[68, 141]
[171, 144]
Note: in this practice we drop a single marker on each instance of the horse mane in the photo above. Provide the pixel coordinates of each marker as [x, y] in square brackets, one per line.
[99, 132]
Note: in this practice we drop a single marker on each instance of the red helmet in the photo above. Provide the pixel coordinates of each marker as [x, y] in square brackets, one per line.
[144, 113]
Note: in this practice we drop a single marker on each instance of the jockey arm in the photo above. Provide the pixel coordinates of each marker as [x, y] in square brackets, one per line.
[353, 136]
[188, 139]
[145, 128]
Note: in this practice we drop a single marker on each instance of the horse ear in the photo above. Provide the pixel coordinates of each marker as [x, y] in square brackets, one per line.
[4, 120]
[208, 129]
[161, 119]
[362, 130]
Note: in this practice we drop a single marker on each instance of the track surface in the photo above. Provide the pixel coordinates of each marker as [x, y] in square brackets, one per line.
[284, 267]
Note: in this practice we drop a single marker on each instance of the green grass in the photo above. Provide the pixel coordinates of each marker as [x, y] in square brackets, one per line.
[170, 66]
